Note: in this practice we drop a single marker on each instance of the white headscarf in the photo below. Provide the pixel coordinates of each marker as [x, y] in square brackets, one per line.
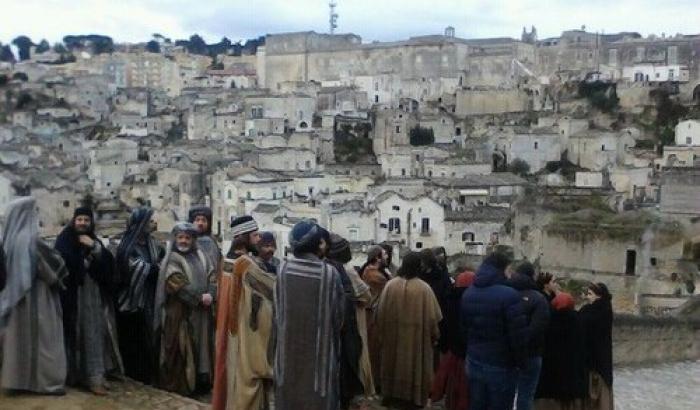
[19, 234]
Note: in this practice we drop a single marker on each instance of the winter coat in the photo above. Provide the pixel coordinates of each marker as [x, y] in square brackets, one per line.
[536, 311]
[493, 321]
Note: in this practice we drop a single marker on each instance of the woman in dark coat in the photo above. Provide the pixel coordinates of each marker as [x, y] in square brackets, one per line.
[450, 380]
[563, 381]
[596, 318]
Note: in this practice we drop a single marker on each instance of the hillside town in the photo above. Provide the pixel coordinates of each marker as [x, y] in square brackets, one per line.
[577, 153]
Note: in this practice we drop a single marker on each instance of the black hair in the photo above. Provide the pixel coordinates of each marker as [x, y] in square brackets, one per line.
[601, 290]
[410, 266]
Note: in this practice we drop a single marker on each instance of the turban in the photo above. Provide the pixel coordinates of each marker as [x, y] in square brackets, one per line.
[242, 225]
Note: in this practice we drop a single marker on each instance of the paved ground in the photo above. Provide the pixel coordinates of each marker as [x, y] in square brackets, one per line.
[122, 396]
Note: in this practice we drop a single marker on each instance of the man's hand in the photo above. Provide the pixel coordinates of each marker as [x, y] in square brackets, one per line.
[86, 240]
[207, 299]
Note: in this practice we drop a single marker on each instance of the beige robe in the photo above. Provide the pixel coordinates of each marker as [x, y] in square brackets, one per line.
[407, 328]
[244, 349]
[364, 298]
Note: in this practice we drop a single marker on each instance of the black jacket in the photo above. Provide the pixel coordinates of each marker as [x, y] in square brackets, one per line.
[536, 311]
[563, 375]
[439, 281]
[597, 319]
[492, 318]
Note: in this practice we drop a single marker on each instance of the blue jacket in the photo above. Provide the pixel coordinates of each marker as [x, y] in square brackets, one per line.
[493, 321]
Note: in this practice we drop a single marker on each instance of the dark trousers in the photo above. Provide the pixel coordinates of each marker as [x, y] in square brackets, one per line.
[491, 387]
[528, 377]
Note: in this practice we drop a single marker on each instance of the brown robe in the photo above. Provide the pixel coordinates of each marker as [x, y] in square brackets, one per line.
[407, 327]
[186, 348]
[376, 281]
[244, 346]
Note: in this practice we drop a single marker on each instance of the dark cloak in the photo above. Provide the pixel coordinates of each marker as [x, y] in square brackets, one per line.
[596, 319]
[101, 271]
[563, 375]
[138, 266]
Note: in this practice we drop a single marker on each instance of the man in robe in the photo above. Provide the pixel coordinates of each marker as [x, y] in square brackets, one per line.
[201, 217]
[138, 259]
[184, 317]
[407, 326]
[244, 343]
[88, 313]
[309, 308]
[30, 306]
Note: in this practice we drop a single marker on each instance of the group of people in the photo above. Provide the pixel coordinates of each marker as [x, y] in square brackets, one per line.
[310, 331]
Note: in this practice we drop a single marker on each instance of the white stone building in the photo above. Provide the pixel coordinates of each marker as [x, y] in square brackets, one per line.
[688, 133]
[414, 222]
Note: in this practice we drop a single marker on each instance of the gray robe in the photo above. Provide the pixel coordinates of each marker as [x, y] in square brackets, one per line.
[34, 354]
[308, 318]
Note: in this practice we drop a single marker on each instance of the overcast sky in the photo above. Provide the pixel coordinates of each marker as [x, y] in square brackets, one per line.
[137, 20]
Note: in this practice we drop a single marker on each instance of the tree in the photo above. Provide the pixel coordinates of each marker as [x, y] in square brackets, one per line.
[153, 47]
[43, 46]
[222, 47]
[3, 80]
[6, 55]
[24, 45]
[519, 167]
[601, 95]
[197, 45]
[60, 48]
[419, 136]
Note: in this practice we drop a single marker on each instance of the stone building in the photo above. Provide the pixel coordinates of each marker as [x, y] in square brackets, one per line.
[414, 222]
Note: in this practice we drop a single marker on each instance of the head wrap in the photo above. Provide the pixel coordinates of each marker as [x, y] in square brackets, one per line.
[83, 211]
[563, 301]
[201, 210]
[135, 228]
[19, 234]
[242, 225]
[339, 249]
[305, 237]
[268, 238]
[184, 227]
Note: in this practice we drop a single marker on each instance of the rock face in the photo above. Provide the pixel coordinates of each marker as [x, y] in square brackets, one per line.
[643, 340]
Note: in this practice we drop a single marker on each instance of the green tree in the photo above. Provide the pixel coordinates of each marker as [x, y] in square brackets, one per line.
[419, 136]
[519, 167]
[153, 47]
[197, 45]
[6, 55]
[60, 48]
[43, 46]
[24, 45]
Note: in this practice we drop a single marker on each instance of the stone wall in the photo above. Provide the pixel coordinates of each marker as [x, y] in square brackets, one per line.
[644, 340]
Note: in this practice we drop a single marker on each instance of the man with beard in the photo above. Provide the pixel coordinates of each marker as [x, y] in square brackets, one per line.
[138, 258]
[184, 319]
[309, 309]
[200, 216]
[266, 253]
[88, 313]
[243, 372]
[30, 307]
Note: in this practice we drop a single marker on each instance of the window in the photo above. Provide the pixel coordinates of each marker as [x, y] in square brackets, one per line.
[417, 157]
[425, 226]
[467, 236]
[376, 98]
[383, 226]
[419, 245]
[249, 195]
[395, 208]
[66, 204]
[652, 261]
[398, 129]
[536, 144]
[403, 172]
[458, 131]
[395, 225]
[308, 164]
[602, 147]
[688, 140]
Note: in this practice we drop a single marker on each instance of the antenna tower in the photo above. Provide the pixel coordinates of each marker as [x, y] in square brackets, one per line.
[333, 18]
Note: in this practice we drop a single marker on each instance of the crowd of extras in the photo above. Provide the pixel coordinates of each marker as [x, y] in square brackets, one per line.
[311, 330]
